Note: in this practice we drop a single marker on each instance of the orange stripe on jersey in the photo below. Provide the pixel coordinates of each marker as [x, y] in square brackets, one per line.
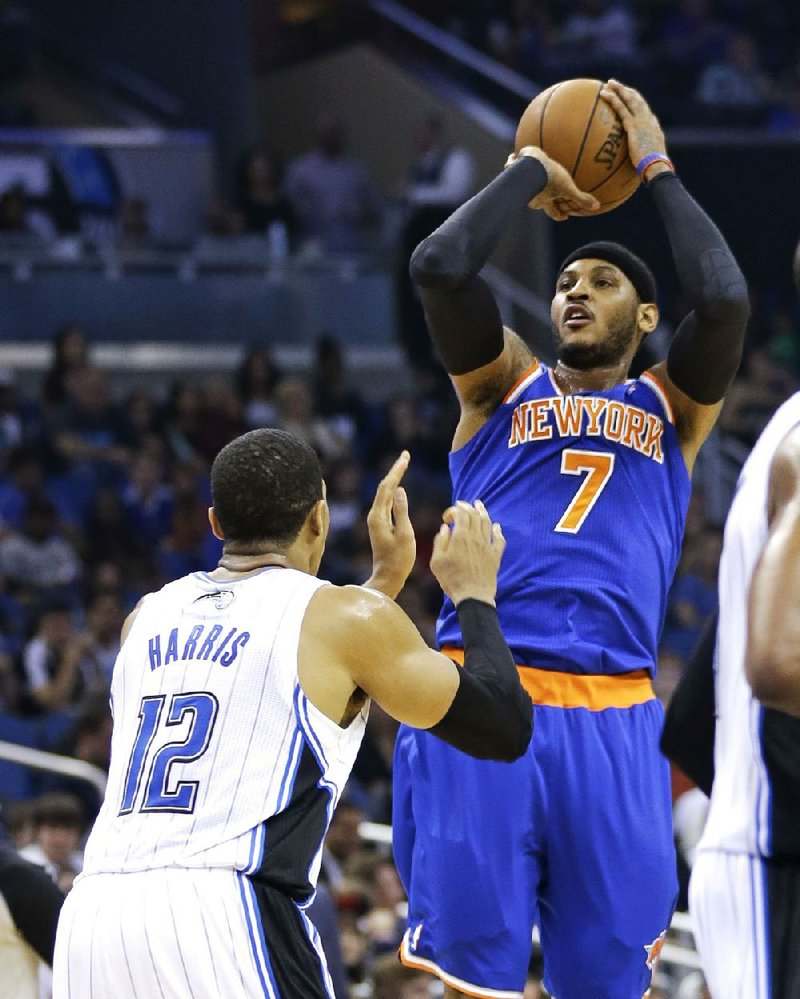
[526, 374]
[578, 690]
[661, 392]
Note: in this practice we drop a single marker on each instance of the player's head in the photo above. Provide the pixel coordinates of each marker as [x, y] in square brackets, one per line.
[268, 496]
[604, 305]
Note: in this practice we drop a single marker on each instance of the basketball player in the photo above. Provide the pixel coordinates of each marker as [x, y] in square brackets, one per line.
[589, 473]
[240, 699]
[744, 892]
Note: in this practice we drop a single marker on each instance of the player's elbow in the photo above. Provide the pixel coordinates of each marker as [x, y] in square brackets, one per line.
[438, 263]
[730, 305]
[516, 738]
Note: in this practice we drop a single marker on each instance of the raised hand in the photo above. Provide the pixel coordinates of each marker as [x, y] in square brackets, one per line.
[467, 553]
[391, 535]
[561, 197]
[645, 135]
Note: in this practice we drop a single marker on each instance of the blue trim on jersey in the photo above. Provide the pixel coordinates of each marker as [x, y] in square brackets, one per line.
[256, 848]
[262, 954]
[301, 709]
[313, 935]
[290, 773]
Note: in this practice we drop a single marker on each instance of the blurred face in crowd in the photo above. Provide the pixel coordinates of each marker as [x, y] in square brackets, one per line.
[89, 390]
[343, 838]
[59, 842]
[73, 348]
[105, 617]
[56, 628]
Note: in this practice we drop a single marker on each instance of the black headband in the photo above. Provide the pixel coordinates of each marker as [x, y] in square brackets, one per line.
[633, 267]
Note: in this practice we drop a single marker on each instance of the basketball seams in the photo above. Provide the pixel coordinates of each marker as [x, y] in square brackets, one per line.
[550, 96]
[623, 162]
[586, 132]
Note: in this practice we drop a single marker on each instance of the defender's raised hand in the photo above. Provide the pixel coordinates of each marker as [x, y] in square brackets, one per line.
[391, 535]
[467, 553]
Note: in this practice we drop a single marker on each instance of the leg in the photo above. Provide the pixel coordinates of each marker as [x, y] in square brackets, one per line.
[611, 883]
[474, 870]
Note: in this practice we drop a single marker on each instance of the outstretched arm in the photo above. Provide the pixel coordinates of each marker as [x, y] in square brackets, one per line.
[357, 640]
[773, 619]
[461, 312]
[707, 347]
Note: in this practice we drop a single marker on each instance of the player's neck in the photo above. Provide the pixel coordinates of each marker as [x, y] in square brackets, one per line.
[234, 565]
[571, 380]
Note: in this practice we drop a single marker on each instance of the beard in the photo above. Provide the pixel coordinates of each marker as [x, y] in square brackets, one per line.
[603, 353]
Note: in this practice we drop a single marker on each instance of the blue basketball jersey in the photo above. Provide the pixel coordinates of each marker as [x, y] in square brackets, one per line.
[591, 490]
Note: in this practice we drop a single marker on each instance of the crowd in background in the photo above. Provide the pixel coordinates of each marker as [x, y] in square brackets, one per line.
[103, 497]
[701, 62]
[104, 488]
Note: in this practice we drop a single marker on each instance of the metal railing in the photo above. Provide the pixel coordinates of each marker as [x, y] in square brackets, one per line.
[38, 759]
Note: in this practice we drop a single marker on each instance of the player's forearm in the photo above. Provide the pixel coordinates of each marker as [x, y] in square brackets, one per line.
[462, 315]
[773, 624]
[705, 353]
[491, 716]
[460, 247]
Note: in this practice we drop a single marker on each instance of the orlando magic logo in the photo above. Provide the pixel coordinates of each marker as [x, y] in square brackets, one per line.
[222, 598]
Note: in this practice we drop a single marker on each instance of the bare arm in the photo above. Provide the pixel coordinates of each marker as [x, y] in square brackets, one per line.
[56, 693]
[773, 633]
[355, 640]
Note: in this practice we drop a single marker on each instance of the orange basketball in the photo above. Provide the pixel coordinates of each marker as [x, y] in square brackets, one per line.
[584, 134]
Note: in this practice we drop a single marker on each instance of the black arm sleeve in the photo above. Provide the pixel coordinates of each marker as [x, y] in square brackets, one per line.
[491, 716]
[33, 901]
[707, 347]
[689, 727]
[462, 315]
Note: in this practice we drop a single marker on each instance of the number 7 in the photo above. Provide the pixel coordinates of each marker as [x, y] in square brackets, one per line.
[599, 465]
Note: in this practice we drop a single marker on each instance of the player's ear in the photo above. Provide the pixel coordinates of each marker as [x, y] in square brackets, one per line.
[318, 517]
[215, 524]
[647, 318]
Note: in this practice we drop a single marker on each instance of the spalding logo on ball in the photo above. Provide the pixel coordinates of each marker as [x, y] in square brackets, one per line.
[583, 133]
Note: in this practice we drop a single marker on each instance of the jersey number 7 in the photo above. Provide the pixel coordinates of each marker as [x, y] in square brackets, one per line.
[598, 467]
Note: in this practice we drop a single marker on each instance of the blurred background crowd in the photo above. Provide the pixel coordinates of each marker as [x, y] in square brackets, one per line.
[104, 462]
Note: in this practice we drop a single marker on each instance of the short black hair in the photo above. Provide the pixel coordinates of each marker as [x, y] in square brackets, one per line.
[263, 485]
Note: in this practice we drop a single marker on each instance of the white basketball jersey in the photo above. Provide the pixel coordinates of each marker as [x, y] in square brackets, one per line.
[218, 759]
[745, 802]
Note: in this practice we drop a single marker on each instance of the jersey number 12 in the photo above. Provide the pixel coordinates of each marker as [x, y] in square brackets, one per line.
[201, 708]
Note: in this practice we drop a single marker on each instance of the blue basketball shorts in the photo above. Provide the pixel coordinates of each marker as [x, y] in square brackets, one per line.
[575, 837]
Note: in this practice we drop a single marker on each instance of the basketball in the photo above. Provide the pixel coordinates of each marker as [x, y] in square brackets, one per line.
[583, 133]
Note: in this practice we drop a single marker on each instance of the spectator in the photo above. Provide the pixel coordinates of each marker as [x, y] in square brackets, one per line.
[148, 500]
[182, 421]
[39, 557]
[735, 90]
[59, 825]
[70, 352]
[259, 194]
[91, 435]
[219, 418]
[296, 415]
[28, 917]
[257, 378]
[332, 194]
[101, 638]
[600, 37]
[393, 981]
[52, 661]
[336, 401]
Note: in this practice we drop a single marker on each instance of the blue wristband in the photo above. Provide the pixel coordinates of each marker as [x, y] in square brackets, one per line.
[645, 162]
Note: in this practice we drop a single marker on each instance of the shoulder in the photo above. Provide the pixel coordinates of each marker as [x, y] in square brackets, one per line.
[131, 618]
[482, 391]
[784, 473]
[693, 420]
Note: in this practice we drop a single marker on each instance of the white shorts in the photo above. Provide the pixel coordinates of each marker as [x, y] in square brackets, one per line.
[184, 934]
[746, 913]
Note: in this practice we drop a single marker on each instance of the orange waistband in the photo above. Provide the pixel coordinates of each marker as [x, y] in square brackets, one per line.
[577, 690]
